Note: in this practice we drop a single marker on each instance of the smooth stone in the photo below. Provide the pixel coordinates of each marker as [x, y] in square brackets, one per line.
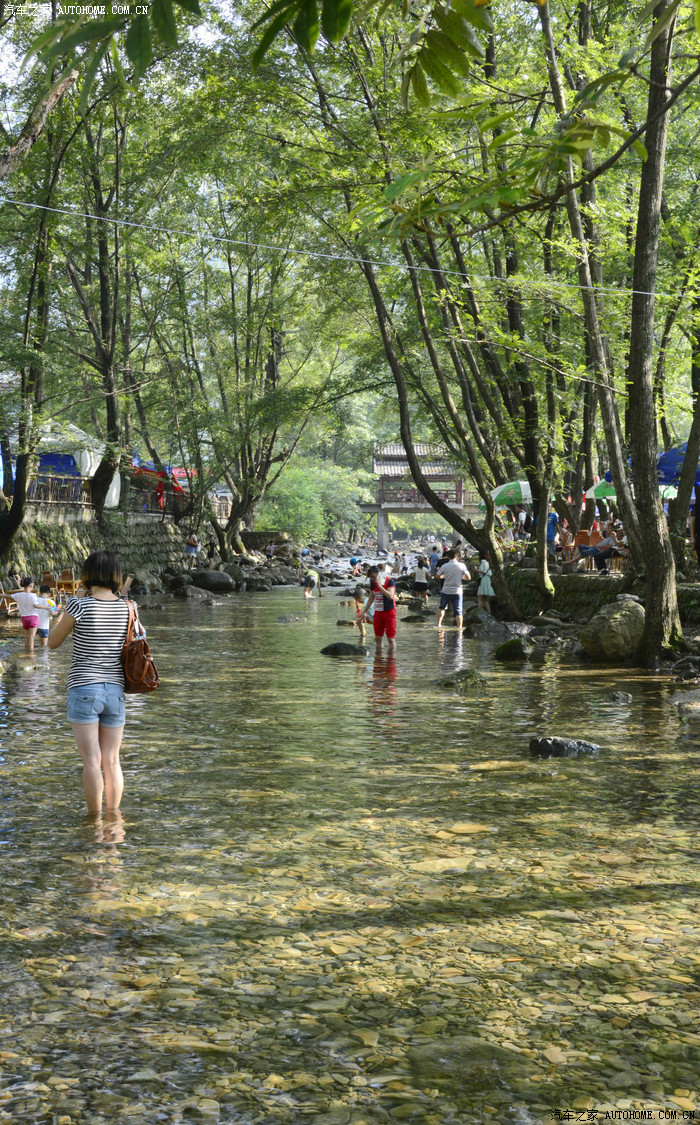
[620, 697]
[465, 680]
[517, 648]
[216, 581]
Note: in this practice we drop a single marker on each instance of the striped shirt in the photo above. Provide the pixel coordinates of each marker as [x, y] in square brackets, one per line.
[98, 635]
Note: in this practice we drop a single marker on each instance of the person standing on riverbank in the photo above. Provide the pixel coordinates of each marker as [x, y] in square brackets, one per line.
[98, 621]
[191, 548]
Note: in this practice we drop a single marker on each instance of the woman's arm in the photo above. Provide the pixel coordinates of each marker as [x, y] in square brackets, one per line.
[62, 629]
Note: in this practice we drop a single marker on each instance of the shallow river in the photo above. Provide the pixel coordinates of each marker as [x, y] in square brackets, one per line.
[341, 894]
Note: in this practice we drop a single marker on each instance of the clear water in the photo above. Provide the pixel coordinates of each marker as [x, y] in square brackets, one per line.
[341, 894]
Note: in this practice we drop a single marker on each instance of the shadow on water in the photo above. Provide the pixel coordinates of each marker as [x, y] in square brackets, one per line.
[338, 893]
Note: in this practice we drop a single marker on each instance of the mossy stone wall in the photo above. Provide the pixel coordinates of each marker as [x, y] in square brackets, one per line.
[581, 595]
[141, 544]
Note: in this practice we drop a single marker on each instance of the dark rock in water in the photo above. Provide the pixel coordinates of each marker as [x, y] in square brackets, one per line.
[216, 581]
[620, 697]
[235, 572]
[184, 579]
[342, 621]
[191, 593]
[288, 618]
[517, 648]
[257, 584]
[341, 648]
[553, 747]
[466, 680]
[416, 618]
[629, 597]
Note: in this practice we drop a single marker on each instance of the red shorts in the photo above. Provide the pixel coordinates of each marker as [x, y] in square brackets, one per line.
[30, 622]
[384, 623]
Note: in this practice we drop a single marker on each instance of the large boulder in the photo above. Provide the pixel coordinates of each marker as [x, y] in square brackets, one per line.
[235, 572]
[614, 632]
[216, 581]
[182, 579]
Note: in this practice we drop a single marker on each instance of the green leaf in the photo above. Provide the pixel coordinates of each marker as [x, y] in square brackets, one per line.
[503, 138]
[476, 15]
[335, 18]
[278, 6]
[640, 149]
[441, 76]
[456, 28]
[419, 85]
[190, 6]
[497, 119]
[90, 74]
[396, 187]
[271, 32]
[163, 18]
[87, 33]
[662, 23]
[447, 52]
[116, 61]
[306, 26]
[139, 45]
[49, 36]
[696, 6]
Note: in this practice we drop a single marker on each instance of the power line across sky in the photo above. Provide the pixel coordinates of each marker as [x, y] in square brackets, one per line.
[206, 236]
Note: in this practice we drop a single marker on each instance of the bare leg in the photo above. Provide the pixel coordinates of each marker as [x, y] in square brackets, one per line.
[110, 739]
[441, 614]
[29, 635]
[392, 644]
[458, 620]
[88, 743]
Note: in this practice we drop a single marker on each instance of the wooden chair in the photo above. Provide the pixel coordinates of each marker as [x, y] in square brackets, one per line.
[48, 578]
[67, 583]
[7, 606]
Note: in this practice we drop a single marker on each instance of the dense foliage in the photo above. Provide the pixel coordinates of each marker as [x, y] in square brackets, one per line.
[303, 226]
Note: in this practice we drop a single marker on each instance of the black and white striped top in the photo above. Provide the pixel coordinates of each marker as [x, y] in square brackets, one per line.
[98, 635]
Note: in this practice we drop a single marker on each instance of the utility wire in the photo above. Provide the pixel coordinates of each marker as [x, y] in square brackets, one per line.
[514, 282]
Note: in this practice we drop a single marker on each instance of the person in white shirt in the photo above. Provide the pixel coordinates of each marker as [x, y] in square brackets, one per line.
[421, 578]
[28, 603]
[453, 573]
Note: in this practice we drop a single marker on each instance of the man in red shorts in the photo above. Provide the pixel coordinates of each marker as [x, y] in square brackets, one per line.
[382, 594]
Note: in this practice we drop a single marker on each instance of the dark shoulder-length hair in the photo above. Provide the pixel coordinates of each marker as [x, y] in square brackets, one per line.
[102, 568]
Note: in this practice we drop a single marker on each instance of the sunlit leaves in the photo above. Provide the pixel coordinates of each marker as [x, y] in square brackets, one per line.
[82, 41]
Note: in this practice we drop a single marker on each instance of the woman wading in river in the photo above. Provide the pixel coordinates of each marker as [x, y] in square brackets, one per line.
[98, 621]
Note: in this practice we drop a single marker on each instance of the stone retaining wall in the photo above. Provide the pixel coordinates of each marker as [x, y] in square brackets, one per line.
[581, 595]
[141, 543]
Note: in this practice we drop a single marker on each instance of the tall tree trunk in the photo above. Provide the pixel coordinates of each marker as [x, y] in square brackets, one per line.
[663, 625]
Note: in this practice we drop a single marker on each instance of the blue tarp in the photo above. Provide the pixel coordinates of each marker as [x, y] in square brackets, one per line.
[58, 464]
[670, 463]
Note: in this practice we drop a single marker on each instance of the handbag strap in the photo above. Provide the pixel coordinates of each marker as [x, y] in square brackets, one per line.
[133, 621]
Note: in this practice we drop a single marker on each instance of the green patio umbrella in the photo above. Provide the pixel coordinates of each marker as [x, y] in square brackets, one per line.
[603, 490]
[513, 492]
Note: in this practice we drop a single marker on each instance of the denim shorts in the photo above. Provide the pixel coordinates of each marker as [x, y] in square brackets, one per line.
[97, 703]
[454, 600]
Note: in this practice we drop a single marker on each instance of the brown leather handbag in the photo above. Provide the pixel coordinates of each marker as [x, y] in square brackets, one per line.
[140, 673]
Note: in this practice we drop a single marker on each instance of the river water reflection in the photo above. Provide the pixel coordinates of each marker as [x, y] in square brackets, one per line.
[340, 894]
